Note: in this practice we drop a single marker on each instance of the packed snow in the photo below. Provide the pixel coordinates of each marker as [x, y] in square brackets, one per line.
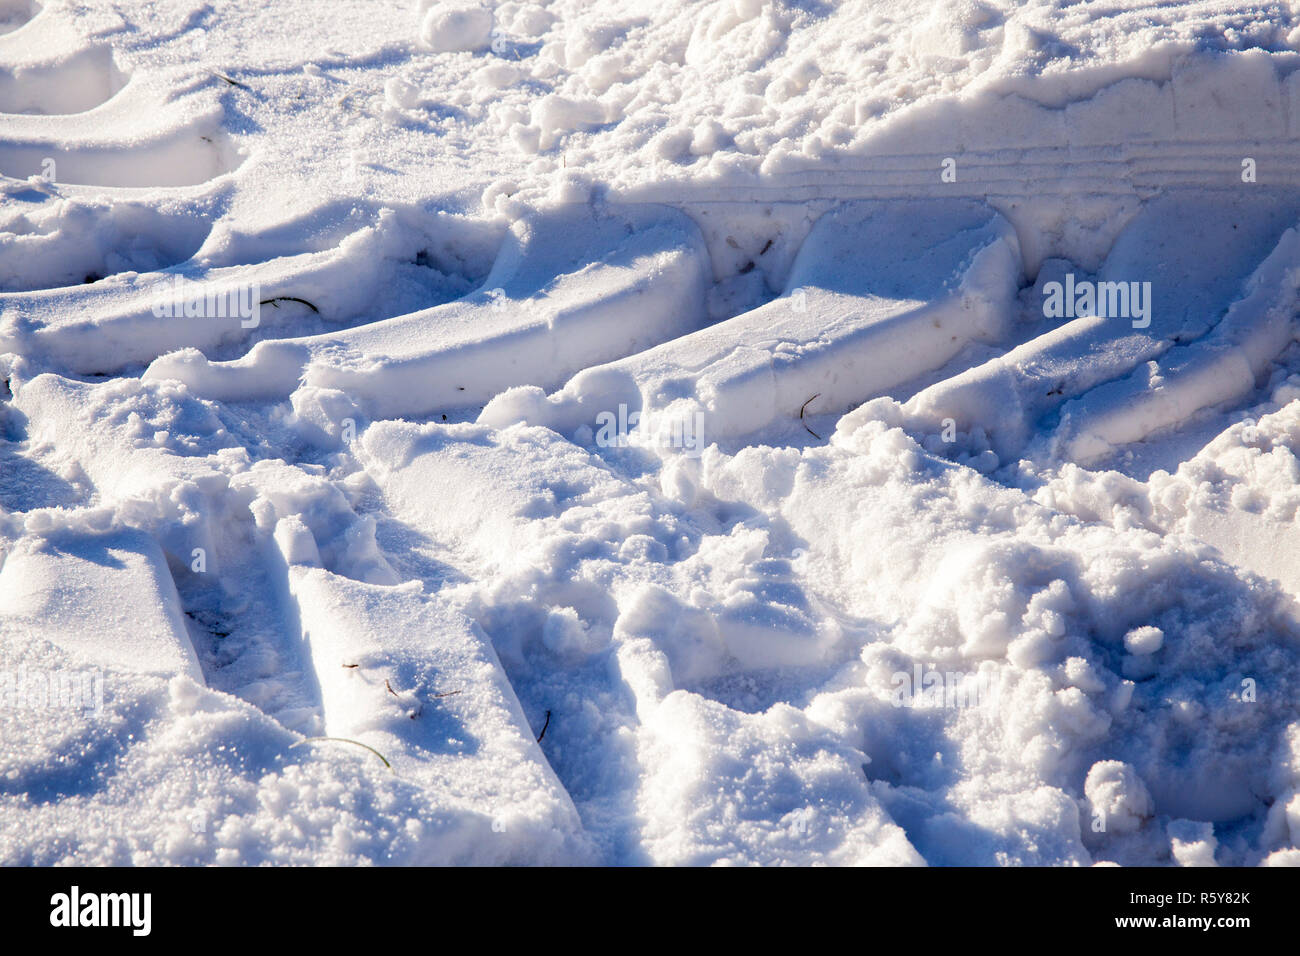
[727, 432]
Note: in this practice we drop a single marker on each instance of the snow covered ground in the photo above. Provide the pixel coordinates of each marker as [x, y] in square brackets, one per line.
[743, 431]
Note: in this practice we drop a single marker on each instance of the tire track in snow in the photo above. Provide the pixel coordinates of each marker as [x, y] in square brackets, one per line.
[617, 305]
[68, 114]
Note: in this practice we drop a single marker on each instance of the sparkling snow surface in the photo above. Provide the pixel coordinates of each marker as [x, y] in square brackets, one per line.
[649, 433]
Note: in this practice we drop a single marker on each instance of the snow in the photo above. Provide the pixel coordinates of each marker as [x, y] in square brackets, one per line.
[1119, 798]
[451, 27]
[600, 433]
